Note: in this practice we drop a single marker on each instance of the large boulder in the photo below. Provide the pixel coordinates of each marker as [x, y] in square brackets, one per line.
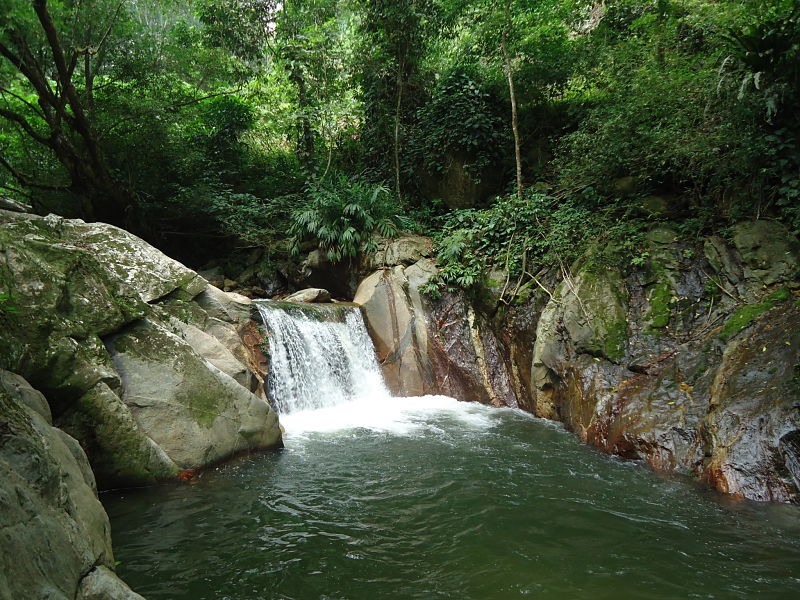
[587, 315]
[392, 312]
[77, 289]
[426, 345]
[195, 412]
[54, 534]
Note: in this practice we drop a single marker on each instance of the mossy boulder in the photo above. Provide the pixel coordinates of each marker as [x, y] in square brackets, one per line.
[121, 453]
[595, 313]
[196, 413]
[769, 253]
[72, 286]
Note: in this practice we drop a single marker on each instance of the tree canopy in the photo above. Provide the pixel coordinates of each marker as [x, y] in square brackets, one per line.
[242, 120]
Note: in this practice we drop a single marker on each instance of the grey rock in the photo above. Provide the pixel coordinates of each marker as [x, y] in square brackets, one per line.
[309, 295]
[53, 529]
[226, 306]
[196, 413]
[103, 584]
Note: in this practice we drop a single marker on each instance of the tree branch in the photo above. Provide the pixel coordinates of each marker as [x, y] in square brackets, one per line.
[24, 180]
[34, 108]
[22, 122]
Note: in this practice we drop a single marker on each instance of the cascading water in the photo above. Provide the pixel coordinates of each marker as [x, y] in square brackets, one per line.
[321, 356]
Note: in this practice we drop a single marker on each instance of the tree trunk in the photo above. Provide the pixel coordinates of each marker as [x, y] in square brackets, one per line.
[71, 135]
[512, 94]
[397, 131]
[305, 131]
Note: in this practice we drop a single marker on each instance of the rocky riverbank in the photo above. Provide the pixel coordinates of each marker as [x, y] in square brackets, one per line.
[119, 367]
[690, 362]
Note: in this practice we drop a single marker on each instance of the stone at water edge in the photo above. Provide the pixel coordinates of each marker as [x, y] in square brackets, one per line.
[53, 529]
[399, 335]
[196, 413]
[309, 295]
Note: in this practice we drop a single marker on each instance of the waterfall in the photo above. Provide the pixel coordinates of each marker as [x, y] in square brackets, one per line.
[320, 356]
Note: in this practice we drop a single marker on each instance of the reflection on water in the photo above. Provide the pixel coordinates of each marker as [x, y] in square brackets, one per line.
[430, 498]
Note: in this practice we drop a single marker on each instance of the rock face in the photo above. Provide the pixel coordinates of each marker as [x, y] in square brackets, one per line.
[139, 358]
[459, 188]
[55, 537]
[690, 362]
[426, 346]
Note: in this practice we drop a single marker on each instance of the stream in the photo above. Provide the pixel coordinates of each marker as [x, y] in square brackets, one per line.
[377, 497]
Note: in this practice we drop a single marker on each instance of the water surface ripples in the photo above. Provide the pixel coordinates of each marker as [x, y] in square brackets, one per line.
[444, 500]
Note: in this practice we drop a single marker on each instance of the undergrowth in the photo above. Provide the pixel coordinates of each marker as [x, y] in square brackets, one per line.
[522, 237]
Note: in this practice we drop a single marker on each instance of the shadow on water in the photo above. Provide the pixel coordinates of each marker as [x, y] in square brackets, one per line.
[453, 501]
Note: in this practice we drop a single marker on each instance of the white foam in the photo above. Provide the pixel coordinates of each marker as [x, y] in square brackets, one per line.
[397, 416]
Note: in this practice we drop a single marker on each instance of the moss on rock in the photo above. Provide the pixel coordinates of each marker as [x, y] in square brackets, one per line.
[745, 315]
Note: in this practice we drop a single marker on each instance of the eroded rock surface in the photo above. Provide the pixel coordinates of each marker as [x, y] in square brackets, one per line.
[690, 362]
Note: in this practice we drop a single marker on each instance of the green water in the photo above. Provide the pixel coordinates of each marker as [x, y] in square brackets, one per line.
[458, 502]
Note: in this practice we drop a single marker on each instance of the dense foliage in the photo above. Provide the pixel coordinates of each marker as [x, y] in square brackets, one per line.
[328, 121]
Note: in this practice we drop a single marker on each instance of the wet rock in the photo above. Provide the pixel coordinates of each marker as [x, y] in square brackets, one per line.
[689, 363]
[226, 306]
[754, 410]
[467, 357]
[428, 346]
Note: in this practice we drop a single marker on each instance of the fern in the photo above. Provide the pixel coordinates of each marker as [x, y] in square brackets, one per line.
[342, 216]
